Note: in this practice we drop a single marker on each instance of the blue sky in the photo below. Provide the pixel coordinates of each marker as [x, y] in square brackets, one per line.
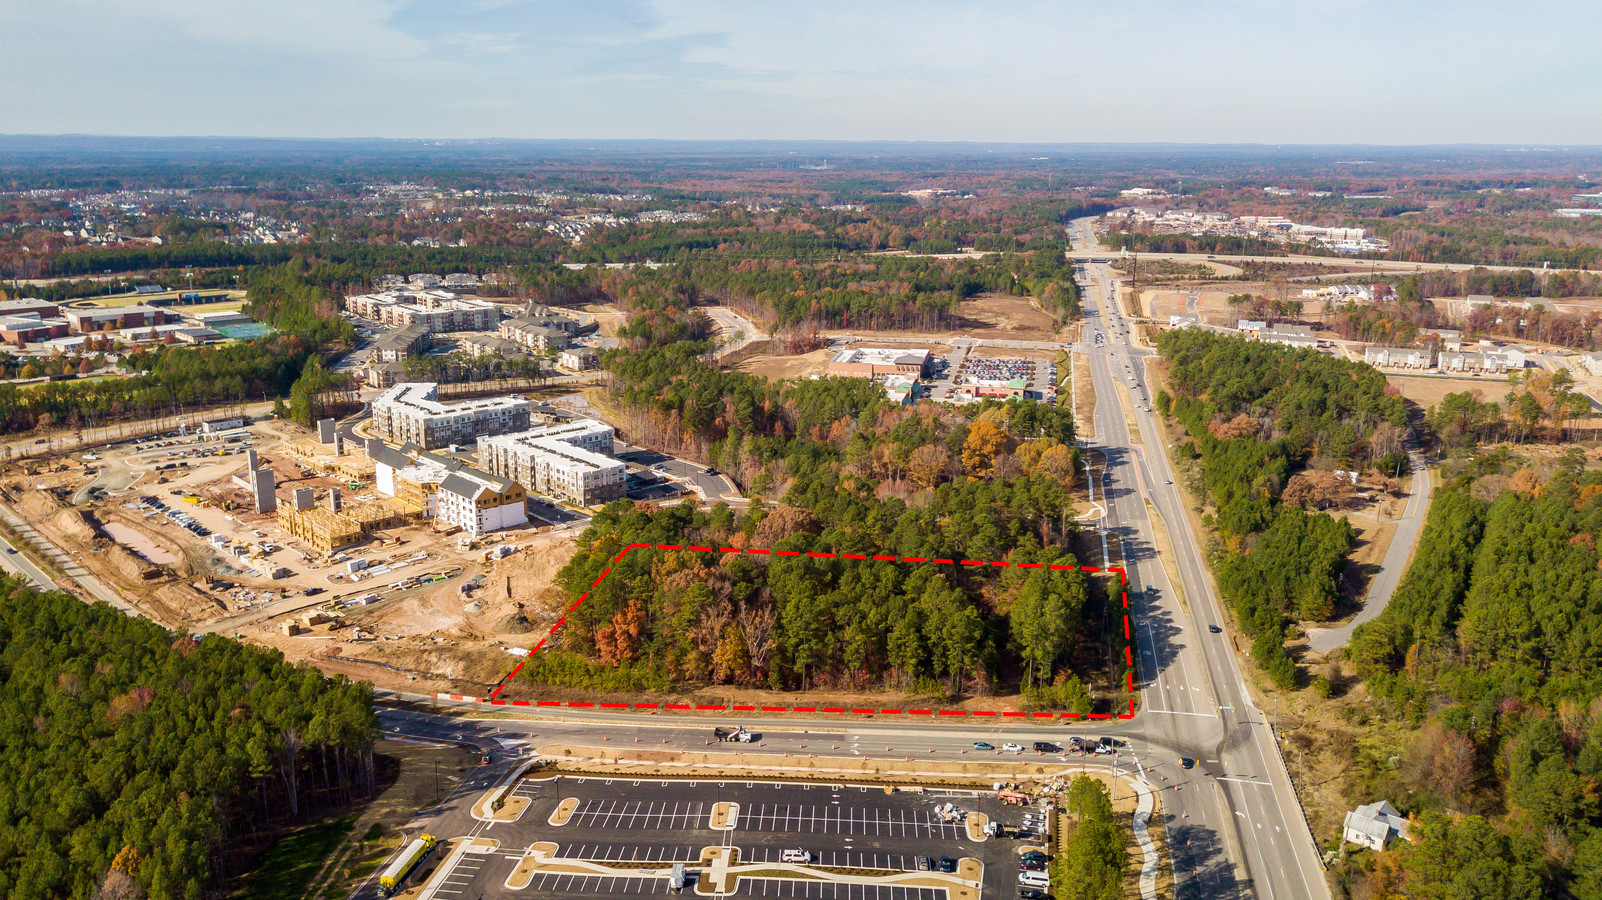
[1270, 71]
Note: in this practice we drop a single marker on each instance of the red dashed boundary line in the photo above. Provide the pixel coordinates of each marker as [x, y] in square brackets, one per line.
[1123, 584]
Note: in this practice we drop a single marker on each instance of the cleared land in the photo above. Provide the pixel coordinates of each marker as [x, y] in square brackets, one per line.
[988, 316]
[1429, 390]
[607, 318]
[776, 367]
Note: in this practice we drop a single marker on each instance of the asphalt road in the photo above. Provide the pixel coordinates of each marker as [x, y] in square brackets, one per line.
[1392, 565]
[12, 560]
[1237, 829]
[1090, 251]
[735, 329]
[712, 488]
[74, 570]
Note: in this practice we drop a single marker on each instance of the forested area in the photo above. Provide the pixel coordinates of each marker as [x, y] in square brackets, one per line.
[128, 753]
[868, 292]
[880, 222]
[375, 258]
[856, 474]
[665, 618]
[1255, 416]
[766, 435]
[1489, 648]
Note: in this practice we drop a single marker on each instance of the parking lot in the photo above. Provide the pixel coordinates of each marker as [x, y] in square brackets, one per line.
[861, 835]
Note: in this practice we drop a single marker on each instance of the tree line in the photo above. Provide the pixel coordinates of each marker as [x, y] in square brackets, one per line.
[1488, 645]
[1256, 415]
[131, 755]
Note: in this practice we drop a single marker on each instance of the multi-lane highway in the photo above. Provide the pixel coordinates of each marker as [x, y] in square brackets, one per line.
[1238, 828]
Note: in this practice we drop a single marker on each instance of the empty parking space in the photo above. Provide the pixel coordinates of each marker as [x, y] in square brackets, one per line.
[831, 890]
[631, 852]
[833, 819]
[681, 816]
[557, 885]
[895, 862]
[461, 876]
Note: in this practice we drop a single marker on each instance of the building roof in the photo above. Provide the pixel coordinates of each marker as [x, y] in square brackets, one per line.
[26, 304]
[421, 397]
[455, 483]
[557, 440]
[224, 317]
[882, 356]
[1377, 820]
[381, 453]
[1291, 331]
[111, 312]
[470, 482]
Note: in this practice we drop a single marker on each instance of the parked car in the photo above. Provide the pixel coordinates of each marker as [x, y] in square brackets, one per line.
[925, 863]
[947, 864]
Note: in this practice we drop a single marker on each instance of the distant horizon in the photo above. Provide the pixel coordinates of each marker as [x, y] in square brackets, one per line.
[1031, 72]
[1510, 146]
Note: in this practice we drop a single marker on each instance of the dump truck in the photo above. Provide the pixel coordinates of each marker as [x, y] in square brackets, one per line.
[415, 853]
[737, 733]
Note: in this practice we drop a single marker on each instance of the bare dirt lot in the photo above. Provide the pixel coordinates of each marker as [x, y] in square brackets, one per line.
[1210, 301]
[992, 317]
[607, 318]
[775, 367]
[1209, 305]
[1428, 390]
[1016, 317]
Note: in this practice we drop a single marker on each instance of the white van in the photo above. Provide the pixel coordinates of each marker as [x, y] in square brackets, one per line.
[796, 856]
[1034, 879]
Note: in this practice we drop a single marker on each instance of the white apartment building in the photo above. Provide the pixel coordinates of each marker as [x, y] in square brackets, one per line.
[1397, 357]
[478, 503]
[410, 412]
[432, 310]
[571, 461]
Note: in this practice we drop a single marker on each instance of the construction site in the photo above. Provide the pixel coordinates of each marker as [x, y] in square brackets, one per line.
[279, 538]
